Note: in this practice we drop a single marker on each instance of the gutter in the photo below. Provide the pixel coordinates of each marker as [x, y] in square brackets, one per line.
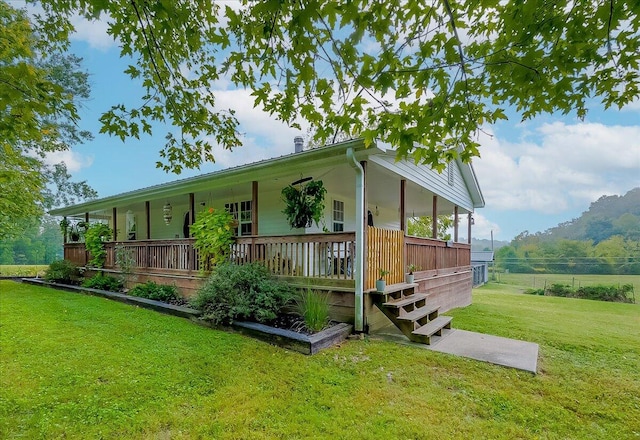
[358, 261]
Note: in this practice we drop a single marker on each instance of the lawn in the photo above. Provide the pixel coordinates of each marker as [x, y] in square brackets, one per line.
[75, 366]
[22, 270]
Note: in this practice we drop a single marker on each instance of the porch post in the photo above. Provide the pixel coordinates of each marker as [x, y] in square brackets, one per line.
[455, 224]
[358, 262]
[192, 209]
[114, 214]
[469, 220]
[64, 234]
[147, 209]
[86, 217]
[365, 219]
[434, 218]
[254, 207]
[403, 190]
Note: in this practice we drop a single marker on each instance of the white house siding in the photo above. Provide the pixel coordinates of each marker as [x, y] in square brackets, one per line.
[430, 179]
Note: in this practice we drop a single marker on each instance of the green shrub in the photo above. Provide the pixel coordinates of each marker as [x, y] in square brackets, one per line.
[213, 234]
[606, 293]
[156, 292]
[560, 290]
[104, 282]
[600, 293]
[243, 292]
[62, 271]
[534, 291]
[313, 307]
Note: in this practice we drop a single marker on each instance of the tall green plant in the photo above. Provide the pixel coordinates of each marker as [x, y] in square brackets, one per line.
[126, 262]
[313, 307]
[94, 238]
[213, 233]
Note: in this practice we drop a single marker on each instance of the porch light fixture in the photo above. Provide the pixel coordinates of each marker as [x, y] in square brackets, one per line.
[167, 213]
[473, 221]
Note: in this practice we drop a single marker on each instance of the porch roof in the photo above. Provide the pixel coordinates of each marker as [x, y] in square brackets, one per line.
[328, 156]
[272, 167]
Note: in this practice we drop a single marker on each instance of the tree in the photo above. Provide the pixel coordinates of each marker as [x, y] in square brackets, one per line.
[423, 226]
[39, 89]
[425, 77]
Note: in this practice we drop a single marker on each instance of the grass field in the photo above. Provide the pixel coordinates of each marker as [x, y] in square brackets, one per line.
[83, 367]
[537, 281]
[22, 271]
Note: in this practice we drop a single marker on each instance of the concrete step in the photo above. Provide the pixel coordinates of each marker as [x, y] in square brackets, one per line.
[411, 299]
[419, 314]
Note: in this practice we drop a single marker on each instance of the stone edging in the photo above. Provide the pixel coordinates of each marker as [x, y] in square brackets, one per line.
[306, 344]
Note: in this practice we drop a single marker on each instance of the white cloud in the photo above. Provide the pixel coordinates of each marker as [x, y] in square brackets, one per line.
[263, 136]
[567, 166]
[482, 227]
[93, 32]
[73, 160]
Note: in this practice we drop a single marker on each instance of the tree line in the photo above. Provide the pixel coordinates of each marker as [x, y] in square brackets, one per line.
[529, 254]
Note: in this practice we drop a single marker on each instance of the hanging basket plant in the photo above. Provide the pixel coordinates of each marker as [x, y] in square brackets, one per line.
[304, 204]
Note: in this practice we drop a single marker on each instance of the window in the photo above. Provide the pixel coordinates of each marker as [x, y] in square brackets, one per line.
[242, 213]
[338, 216]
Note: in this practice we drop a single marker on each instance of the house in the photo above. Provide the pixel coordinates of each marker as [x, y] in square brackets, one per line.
[480, 262]
[369, 198]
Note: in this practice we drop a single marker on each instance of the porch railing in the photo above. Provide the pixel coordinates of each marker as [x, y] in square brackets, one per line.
[429, 254]
[156, 255]
[326, 256]
[310, 255]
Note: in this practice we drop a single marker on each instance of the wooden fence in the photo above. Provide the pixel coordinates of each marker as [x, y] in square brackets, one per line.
[385, 250]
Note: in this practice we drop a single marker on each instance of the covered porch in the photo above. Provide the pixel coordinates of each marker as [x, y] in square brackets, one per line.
[321, 260]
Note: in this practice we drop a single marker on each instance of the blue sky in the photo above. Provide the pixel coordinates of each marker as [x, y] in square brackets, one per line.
[533, 175]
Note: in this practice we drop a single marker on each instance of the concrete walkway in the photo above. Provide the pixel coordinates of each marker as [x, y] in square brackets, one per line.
[511, 353]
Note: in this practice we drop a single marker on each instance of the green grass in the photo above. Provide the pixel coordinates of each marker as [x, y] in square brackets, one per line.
[529, 281]
[22, 270]
[75, 366]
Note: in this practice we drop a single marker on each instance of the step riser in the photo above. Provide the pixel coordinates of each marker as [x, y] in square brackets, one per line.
[410, 313]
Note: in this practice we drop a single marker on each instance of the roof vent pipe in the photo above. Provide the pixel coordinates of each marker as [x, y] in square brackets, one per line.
[298, 141]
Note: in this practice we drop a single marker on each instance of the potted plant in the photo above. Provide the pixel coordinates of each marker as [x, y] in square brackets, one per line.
[74, 234]
[381, 284]
[409, 277]
[304, 204]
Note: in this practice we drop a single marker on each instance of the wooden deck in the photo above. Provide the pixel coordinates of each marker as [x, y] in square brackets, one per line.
[327, 259]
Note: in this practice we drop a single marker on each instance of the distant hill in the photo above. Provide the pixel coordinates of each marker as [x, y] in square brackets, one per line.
[485, 244]
[606, 217]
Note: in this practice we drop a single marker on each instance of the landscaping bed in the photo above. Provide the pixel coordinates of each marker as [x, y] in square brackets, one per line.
[295, 340]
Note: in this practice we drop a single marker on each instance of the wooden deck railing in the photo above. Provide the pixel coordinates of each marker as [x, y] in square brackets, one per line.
[310, 255]
[429, 254]
[76, 253]
[326, 256]
[156, 255]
